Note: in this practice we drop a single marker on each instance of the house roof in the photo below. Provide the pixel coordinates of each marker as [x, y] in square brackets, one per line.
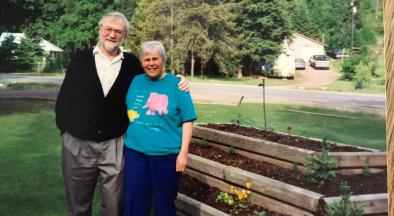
[45, 45]
[308, 38]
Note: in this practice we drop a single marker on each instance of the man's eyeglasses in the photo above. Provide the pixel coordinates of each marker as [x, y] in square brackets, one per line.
[109, 30]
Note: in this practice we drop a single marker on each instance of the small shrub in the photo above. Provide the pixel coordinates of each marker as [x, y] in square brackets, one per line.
[320, 167]
[363, 75]
[259, 213]
[343, 206]
[349, 66]
[231, 151]
[295, 168]
[204, 143]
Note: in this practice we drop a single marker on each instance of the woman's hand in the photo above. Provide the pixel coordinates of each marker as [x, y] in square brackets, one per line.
[181, 162]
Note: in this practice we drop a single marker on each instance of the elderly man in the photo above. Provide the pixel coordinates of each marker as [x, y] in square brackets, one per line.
[92, 117]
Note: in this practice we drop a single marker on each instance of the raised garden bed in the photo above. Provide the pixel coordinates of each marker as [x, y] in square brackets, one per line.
[282, 190]
[285, 150]
[197, 198]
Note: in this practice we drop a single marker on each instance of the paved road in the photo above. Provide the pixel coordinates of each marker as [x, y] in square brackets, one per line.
[230, 94]
[28, 79]
[224, 93]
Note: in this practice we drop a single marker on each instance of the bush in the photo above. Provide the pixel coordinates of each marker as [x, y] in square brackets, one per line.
[363, 76]
[320, 168]
[349, 66]
[343, 207]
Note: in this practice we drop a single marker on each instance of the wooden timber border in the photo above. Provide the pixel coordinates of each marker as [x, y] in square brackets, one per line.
[285, 155]
[272, 194]
[187, 206]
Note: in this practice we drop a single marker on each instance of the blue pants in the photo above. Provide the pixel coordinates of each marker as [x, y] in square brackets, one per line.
[147, 177]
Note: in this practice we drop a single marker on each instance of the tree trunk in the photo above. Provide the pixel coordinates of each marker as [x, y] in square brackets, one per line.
[239, 72]
[389, 65]
[202, 70]
[192, 66]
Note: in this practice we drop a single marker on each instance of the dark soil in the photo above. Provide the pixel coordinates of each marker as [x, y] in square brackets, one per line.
[375, 183]
[294, 141]
[202, 192]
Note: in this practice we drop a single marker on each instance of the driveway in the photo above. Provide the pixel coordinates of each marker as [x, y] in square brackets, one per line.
[316, 79]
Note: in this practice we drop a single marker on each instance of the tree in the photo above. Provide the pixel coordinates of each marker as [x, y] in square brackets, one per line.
[263, 25]
[191, 31]
[17, 14]
[7, 54]
[29, 54]
[301, 19]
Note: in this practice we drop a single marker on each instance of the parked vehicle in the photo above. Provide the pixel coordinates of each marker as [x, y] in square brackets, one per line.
[337, 53]
[299, 64]
[284, 67]
[319, 61]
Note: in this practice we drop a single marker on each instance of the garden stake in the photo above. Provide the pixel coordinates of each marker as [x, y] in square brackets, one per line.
[265, 118]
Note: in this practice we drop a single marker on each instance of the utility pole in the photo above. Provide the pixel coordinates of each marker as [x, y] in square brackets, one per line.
[353, 10]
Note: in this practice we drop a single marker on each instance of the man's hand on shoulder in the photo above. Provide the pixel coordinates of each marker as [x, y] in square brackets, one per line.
[184, 84]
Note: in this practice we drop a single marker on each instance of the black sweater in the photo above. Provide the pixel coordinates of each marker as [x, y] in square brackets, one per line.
[82, 109]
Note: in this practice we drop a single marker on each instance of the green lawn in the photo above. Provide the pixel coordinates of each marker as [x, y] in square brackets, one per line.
[30, 177]
[28, 86]
[361, 129]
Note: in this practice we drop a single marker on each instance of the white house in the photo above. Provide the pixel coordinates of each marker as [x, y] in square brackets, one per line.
[305, 47]
[49, 48]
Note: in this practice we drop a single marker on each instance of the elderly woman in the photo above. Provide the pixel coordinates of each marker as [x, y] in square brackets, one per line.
[157, 139]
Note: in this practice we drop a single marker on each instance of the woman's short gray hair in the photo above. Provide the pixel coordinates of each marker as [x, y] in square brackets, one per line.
[118, 15]
[150, 46]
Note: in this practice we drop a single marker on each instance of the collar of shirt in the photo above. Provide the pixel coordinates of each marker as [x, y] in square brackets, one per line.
[97, 51]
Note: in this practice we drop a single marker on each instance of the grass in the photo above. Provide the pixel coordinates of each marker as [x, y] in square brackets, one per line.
[242, 81]
[361, 129]
[31, 181]
[28, 86]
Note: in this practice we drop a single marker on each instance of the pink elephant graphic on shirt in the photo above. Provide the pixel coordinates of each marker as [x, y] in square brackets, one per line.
[156, 102]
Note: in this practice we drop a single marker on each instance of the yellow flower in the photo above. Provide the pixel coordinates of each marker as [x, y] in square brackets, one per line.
[232, 189]
[132, 115]
[248, 192]
[247, 184]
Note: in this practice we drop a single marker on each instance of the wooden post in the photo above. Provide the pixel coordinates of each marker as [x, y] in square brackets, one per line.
[389, 66]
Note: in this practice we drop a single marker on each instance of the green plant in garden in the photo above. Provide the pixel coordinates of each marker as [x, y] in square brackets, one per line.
[366, 171]
[295, 167]
[238, 198]
[204, 143]
[259, 213]
[231, 151]
[320, 167]
[343, 207]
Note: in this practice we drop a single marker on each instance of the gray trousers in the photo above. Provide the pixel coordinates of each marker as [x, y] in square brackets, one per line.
[84, 164]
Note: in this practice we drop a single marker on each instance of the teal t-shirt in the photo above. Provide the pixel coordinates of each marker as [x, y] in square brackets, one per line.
[156, 111]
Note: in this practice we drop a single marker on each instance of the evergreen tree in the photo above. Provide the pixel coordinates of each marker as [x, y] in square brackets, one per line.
[7, 54]
[263, 26]
[29, 54]
[301, 19]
